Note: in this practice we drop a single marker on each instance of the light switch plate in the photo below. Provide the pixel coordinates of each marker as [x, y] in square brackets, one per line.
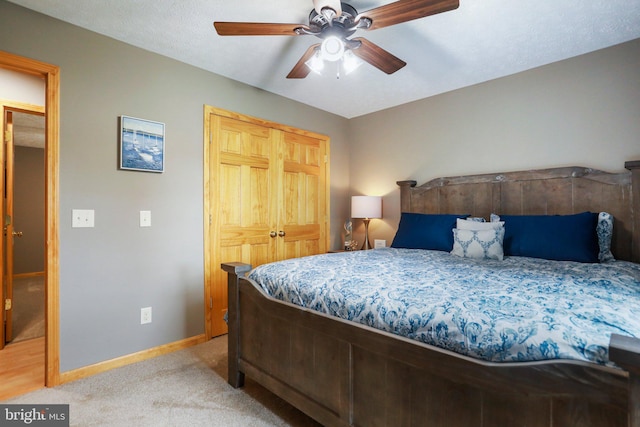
[145, 218]
[82, 218]
[379, 243]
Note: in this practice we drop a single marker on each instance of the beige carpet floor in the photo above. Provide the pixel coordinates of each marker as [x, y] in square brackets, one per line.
[185, 388]
[28, 308]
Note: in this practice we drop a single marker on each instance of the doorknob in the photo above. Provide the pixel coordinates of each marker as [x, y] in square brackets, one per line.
[272, 234]
[281, 233]
[17, 233]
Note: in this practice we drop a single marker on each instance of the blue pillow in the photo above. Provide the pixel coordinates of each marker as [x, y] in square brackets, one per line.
[555, 237]
[426, 231]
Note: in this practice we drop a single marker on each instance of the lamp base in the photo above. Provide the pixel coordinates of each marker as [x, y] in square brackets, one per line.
[367, 244]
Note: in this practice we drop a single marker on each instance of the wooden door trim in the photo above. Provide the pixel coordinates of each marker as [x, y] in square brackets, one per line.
[207, 223]
[262, 122]
[7, 255]
[51, 75]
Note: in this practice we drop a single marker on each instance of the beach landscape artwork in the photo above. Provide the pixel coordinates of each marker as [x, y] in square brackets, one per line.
[141, 145]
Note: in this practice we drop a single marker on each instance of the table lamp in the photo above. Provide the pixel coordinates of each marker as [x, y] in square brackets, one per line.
[366, 208]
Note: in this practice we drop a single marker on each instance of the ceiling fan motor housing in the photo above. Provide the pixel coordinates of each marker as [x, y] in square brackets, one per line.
[329, 24]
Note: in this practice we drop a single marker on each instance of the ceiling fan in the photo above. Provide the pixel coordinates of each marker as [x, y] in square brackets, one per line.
[335, 22]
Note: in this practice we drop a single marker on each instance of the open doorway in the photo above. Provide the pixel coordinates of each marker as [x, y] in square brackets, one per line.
[25, 197]
[23, 248]
[50, 76]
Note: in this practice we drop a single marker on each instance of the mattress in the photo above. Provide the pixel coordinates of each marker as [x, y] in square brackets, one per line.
[516, 310]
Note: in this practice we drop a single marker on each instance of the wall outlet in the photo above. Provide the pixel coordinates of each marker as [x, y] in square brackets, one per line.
[82, 218]
[379, 243]
[145, 218]
[145, 315]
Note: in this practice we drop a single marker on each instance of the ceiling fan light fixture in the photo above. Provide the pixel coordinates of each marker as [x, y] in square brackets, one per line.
[332, 48]
[350, 62]
[335, 23]
[315, 63]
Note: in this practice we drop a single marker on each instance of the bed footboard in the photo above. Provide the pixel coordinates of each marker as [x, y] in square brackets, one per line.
[346, 374]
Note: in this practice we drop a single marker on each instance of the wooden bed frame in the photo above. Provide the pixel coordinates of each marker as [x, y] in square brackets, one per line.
[342, 373]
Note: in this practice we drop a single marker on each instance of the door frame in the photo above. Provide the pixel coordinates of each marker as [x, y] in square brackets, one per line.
[51, 75]
[6, 251]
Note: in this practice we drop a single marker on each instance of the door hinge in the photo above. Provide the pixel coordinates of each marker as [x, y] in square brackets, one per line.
[7, 304]
[326, 158]
[7, 136]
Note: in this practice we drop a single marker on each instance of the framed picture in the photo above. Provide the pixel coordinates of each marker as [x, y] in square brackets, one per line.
[141, 145]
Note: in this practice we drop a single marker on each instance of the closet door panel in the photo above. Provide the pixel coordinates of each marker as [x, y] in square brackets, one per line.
[241, 205]
[303, 216]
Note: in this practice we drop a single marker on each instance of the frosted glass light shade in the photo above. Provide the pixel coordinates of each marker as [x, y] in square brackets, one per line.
[366, 207]
[332, 48]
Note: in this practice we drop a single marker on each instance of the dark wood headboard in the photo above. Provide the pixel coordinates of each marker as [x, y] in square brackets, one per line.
[553, 191]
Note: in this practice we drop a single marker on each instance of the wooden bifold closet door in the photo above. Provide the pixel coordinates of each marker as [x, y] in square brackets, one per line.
[266, 198]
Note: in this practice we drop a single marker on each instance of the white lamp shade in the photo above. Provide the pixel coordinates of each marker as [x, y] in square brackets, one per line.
[366, 207]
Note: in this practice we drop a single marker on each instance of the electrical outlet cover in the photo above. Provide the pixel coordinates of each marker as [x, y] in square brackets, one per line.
[145, 315]
[82, 218]
[145, 218]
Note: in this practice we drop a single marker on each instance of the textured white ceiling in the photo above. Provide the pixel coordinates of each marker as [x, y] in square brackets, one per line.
[480, 41]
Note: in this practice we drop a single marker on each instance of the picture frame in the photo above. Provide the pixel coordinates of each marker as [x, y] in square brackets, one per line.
[141, 144]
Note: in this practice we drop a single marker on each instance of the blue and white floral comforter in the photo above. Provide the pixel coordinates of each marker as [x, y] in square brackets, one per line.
[515, 310]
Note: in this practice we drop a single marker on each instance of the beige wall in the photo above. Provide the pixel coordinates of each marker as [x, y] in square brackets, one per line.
[583, 111]
[109, 272]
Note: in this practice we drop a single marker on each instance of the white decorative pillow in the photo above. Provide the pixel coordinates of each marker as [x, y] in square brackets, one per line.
[476, 219]
[479, 244]
[604, 229]
[463, 224]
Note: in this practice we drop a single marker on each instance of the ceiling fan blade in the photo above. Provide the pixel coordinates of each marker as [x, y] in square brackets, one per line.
[257, 29]
[377, 56]
[301, 70]
[405, 10]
